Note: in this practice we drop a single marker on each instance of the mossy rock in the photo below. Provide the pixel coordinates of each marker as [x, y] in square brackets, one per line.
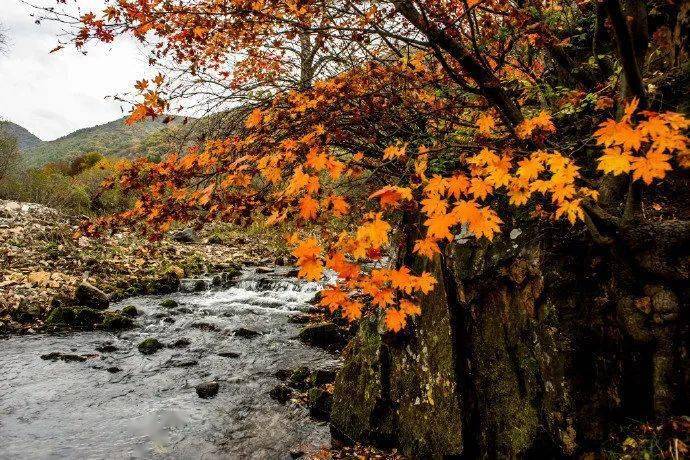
[131, 311]
[168, 303]
[149, 346]
[74, 317]
[116, 322]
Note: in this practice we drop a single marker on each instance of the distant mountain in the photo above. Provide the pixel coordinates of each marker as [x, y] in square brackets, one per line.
[148, 139]
[25, 139]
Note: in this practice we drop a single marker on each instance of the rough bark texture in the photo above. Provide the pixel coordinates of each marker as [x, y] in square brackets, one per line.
[527, 350]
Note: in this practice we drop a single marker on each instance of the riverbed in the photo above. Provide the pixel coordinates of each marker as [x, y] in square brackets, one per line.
[119, 403]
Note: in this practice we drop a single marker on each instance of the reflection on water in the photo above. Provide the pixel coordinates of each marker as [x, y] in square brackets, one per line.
[122, 404]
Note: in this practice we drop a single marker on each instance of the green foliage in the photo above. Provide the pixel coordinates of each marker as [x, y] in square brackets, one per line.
[151, 139]
[9, 154]
[74, 188]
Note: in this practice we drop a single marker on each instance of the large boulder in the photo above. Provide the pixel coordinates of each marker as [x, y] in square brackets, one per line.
[90, 296]
[485, 370]
[403, 390]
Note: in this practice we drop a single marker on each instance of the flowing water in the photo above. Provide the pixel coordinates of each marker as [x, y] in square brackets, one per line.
[122, 404]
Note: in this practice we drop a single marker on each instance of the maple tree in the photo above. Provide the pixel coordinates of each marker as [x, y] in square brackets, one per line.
[374, 110]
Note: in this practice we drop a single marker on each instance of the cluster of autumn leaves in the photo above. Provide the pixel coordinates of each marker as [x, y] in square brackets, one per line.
[462, 201]
[645, 147]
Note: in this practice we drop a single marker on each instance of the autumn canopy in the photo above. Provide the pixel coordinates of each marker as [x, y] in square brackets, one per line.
[359, 118]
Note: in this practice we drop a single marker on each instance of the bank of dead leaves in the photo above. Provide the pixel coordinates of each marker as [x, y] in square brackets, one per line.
[41, 260]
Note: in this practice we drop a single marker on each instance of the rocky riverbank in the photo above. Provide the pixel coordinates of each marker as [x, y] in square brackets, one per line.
[42, 263]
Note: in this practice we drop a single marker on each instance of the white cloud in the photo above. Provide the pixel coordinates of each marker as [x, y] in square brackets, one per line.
[54, 94]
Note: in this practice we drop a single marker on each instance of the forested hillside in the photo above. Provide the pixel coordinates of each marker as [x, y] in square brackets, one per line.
[25, 139]
[114, 139]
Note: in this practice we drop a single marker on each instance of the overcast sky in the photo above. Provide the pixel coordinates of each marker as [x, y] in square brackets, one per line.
[54, 94]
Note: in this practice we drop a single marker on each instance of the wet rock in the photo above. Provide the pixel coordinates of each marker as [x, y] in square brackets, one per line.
[262, 270]
[319, 402]
[217, 280]
[187, 362]
[169, 320]
[66, 357]
[293, 273]
[184, 310]
[229, 354]
[297, 453]
[245, 333]
[184, 236]
[300, 318]
[167, 283]
[316, 299]
[168, 303]
[281, 393]
[321, 335]
[322, 376]
[200, 285]
[90, 296]
[131, 311]
[74, 317]
[182, 342]
[149, 346]
[299, 379]
[205, 326]
[116, 322]
[207, 389]
[106, 348]
[114, 370]
[283, 374]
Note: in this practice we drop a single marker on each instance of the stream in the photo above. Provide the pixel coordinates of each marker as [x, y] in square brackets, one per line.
[119, 403]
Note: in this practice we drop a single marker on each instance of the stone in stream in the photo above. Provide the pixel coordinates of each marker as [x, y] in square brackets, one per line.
[319, 402]
[246, 333]
[185, 362]
[262, 270]
[131, 311]
[228, 354]
[76, 317]
[280, 393]
[168, 303]
[322, 335]
[113, 321]
[182, 342]
[207, 389]
[106, 347]
[114, 370]
[66, 357]
[299, 379]
[149, 346]
[300, 318]
[283, 374]
[90, 296]
[322, 376]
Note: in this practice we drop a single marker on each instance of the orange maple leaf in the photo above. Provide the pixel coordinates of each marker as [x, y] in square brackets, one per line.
[395, 319]
[426, 247]
[308, 207]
